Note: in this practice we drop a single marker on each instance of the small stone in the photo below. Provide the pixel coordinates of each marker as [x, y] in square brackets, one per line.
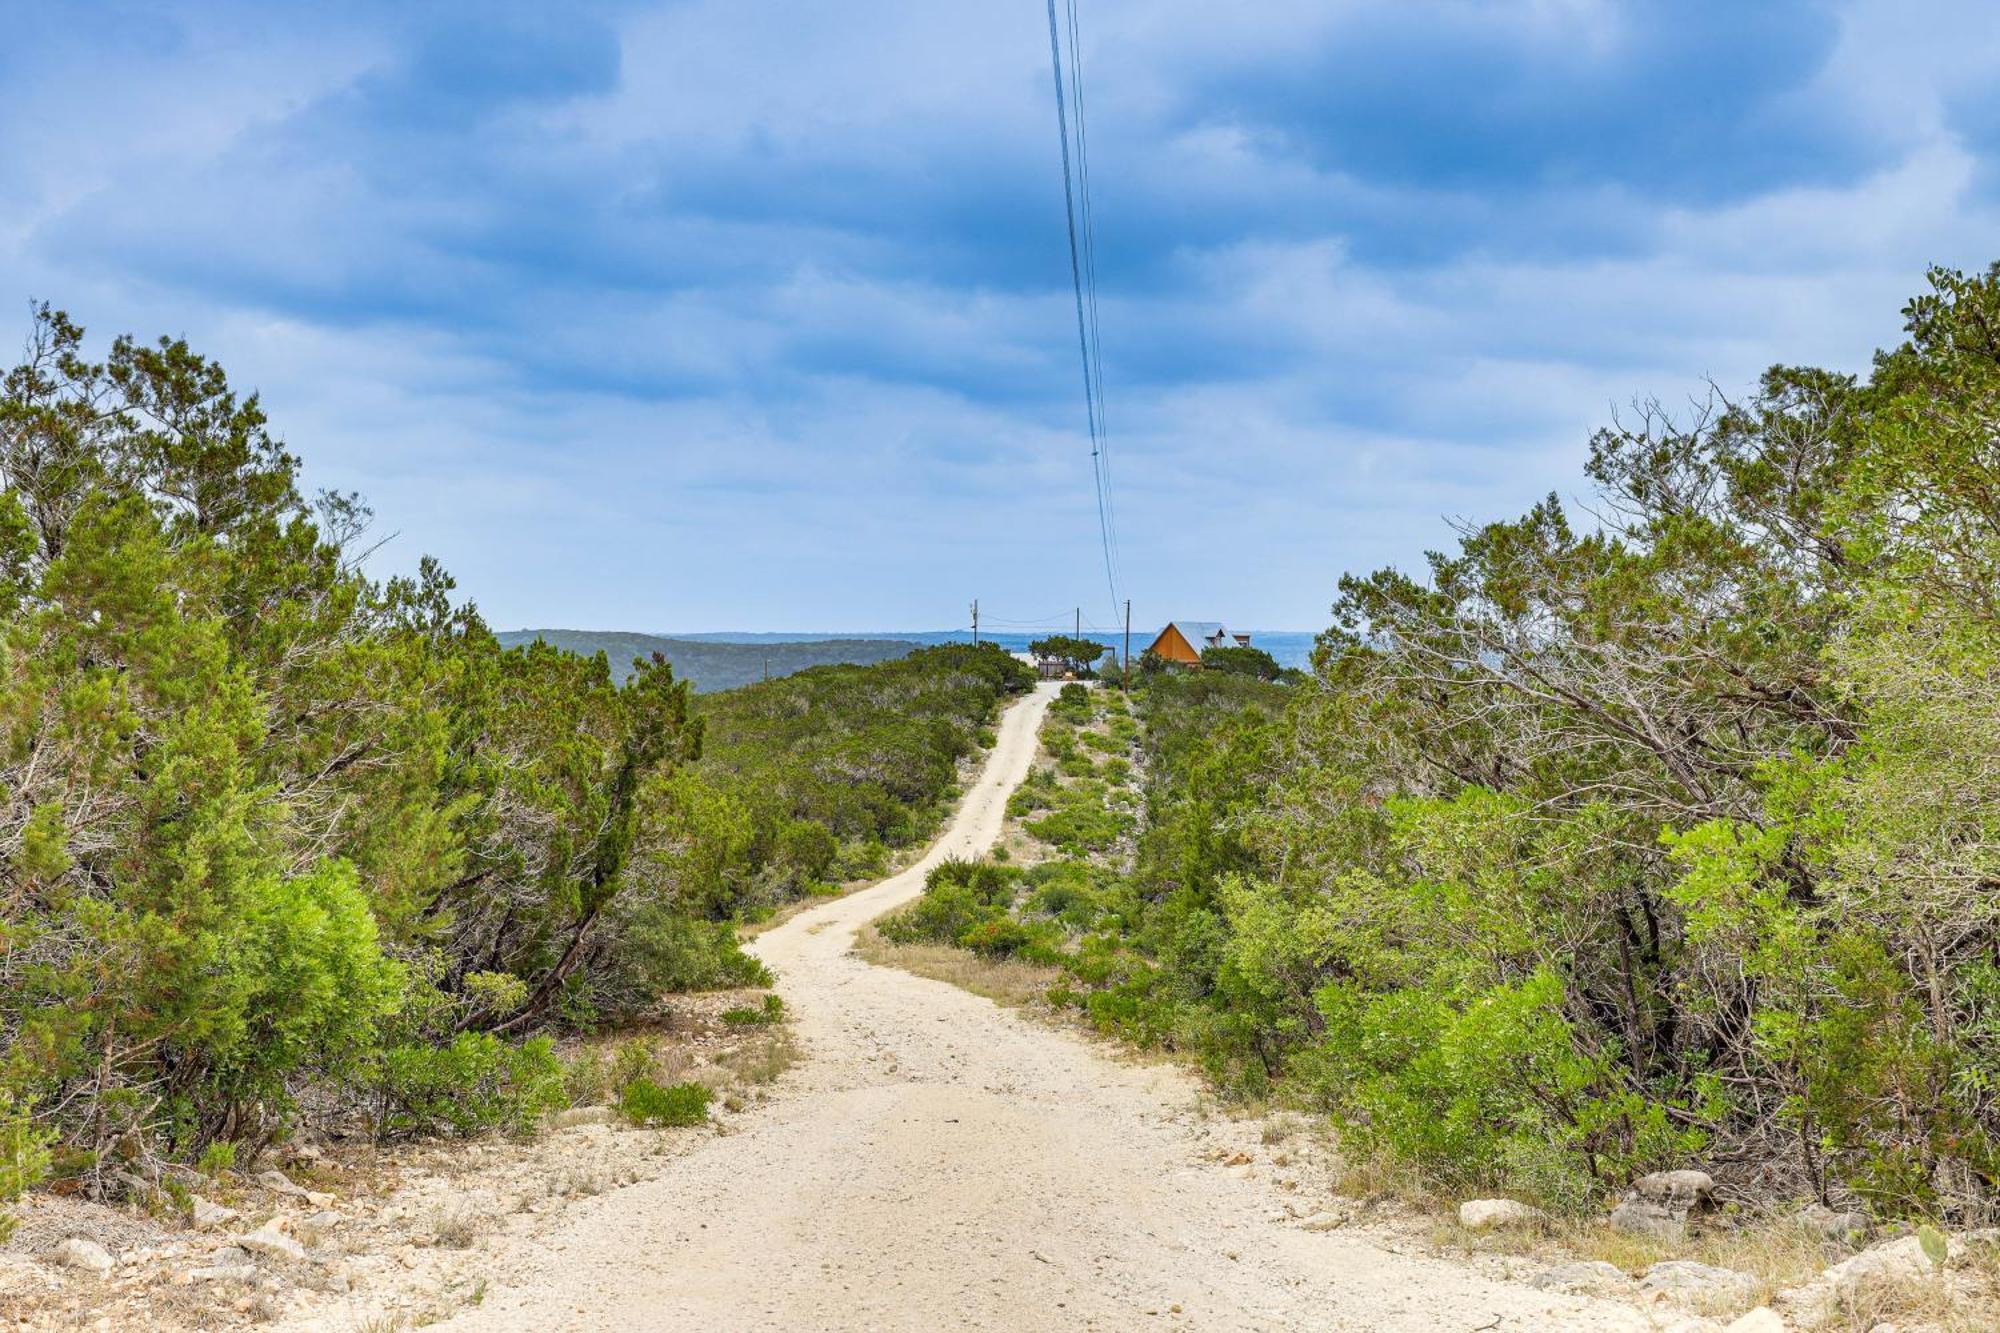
[1691, 1283]
[224, 1273]
[226, 1255]
[1643, 1217]
[207, 1216]
[1328, 1220]
[279, 1183]
[1849, 1228]
[1763, 1319]
[84, 1254]
[320, 1223]
[1900, 1260]
[1677, 1189]
[1487, 1214]
[1592, 1278]
[270, 1241]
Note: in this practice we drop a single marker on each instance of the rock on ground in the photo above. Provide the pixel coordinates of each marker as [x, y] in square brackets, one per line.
[1691, 1283]
[1589, 1278]
[207, 1216]
[1677, 1190]
[1763, 1319]
[83, 1254]
[1643, 1217]
[268, 1240]
[1486, 1214]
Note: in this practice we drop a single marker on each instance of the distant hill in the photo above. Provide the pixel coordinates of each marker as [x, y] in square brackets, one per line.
[709, 664]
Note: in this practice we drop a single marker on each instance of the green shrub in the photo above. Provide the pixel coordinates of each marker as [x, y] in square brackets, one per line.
[216, 1158]
[24, 1156]
[475, 1083]
[940, 916]
[662, 951]
[1081, 828]
[644, 1102]
[996, 937]
[771, 1010]
[634, 1060]
[586, 1078]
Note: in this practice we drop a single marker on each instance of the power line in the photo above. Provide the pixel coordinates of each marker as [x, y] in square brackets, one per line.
[1082, 256]
[1090, 279]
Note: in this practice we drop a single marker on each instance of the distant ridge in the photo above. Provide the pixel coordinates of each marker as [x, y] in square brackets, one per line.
[713, 664]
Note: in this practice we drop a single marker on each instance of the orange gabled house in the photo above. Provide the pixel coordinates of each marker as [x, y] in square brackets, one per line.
[1184, 641]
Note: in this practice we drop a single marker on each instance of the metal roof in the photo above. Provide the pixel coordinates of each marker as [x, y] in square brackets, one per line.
[1196, 632]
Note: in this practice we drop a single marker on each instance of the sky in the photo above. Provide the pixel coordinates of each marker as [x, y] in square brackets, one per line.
[755, 314]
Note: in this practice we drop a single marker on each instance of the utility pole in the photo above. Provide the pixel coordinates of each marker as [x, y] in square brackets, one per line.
[975, 622]
[1079, 622]
[1125, 676]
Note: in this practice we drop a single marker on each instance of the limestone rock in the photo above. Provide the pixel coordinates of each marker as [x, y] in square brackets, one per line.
[83, 1254]
[268, 1240]
[279, 1183]
[1328, 1220]
[1892, 1261]
[320, 1223]
[1677, 1190]
[1592, 1278]
[1643, 1217]
[1488, 1214]
[207, 1215]
[1848, 1228]
[1691, 1283]
[1659, 1205]
[224, 1273]
[1763, 1319]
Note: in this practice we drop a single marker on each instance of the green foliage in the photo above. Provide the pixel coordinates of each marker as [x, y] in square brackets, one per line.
[644, 1102]
[1593, 850]
[278, 826]
[24, 1157]
[1079, 655]
[472, 1084]
[1242, 661]
[216, 1158]
[770, 1010]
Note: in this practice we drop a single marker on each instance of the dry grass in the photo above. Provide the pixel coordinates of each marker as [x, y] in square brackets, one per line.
[455, 1230]
[1007, 981]
[1777, 1253]
[757, 1062]
[1965, 1301]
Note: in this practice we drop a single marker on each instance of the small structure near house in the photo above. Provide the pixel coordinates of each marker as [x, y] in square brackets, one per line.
[1184, 641]
[1053, 668]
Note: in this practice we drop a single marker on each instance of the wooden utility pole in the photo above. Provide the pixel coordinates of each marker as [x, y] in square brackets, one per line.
[1079, 622]
[975, 622]
[1125, 675]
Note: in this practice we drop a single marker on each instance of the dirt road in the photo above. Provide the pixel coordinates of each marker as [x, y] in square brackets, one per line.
[940, 1163]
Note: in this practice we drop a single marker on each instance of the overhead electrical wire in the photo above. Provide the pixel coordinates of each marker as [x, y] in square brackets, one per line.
[1083, 276]
[1089, 220]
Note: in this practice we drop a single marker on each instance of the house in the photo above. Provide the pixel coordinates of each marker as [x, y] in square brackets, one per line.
[1053, 668]
[1184, 641]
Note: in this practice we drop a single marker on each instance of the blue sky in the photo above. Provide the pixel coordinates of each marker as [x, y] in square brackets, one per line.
[754, 314]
